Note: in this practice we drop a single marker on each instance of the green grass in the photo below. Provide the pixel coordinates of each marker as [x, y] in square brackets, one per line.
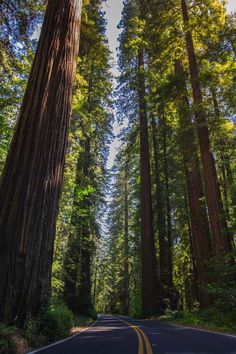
[208, 319]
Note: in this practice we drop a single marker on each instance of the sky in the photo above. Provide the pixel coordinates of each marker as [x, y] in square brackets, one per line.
[231, 6]
[113, 9]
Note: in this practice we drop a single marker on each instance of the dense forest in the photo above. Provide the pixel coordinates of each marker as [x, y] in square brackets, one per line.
[154, 236]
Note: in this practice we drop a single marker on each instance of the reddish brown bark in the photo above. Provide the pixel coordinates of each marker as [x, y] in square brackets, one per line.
[149, 264]
[168, 208]
[161, 210]
[125, 295]
[226, 172]
[200, 243]
[32, 178]
[214, 202]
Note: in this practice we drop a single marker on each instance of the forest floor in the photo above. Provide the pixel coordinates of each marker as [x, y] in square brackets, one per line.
[83, 322]
[220, 323]
[80, 325]
[15, 341]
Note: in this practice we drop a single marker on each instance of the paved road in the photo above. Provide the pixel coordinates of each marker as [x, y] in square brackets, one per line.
[122, 335]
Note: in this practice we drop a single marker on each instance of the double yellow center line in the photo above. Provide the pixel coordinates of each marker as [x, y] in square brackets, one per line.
[143, 341]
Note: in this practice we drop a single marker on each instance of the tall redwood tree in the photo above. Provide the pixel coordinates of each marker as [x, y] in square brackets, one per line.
[217, 217]
[31, 182]
[201, 244]
[150, 277]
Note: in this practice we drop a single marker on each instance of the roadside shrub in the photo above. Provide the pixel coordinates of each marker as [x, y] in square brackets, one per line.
[91, 313]
[223, 286]
[33, 333]
[57, 322]
[7, 344]
[218, 319]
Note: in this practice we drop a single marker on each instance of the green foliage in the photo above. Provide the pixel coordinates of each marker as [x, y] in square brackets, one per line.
[82, 203]
[90, 313]
[209, 319]
[18, 21]
[222, 287]
[56, 322]
[33, 333]
[160, 33]
[221, 315]
[7, 344]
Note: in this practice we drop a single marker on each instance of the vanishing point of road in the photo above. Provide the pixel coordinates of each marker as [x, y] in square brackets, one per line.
[123, 335]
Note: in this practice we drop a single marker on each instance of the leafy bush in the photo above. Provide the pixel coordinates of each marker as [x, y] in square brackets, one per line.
[223, 286]
[33, 333]
[7, 344]
[91, 313]
[57, 321]
[218, 320]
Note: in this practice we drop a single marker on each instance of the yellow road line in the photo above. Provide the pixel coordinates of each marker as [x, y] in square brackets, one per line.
[140, 341]
[141, 335]
[147, 343]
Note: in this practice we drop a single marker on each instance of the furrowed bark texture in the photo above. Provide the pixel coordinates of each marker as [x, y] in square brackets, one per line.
[201, 245]
[149, 264]
[31, 182]
[161, 210]
[225, 166]
[126, 250]
[214, 202]
[168, 208]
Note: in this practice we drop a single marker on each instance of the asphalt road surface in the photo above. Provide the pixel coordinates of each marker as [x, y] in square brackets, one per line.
[123, 335]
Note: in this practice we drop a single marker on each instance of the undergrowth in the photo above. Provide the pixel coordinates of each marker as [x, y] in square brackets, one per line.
[54, 323]
[209, 319]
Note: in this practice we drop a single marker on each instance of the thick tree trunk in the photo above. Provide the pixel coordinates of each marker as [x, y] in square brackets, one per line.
[225, 186]
[221, 145]
[227, 175]
[149, 264]
[32, 178]
[161, 210]
[168, 209]
[201, 244]
[126, 250]
[215, 208]
[230, 184]
[192, 250]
